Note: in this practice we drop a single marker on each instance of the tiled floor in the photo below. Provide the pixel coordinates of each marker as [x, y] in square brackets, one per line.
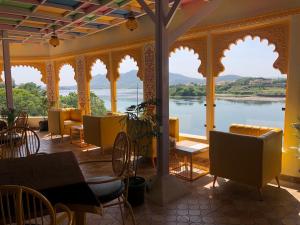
[228, 203]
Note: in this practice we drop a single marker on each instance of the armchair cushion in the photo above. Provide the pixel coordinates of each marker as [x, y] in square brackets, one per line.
[107, 192]
[76, 115]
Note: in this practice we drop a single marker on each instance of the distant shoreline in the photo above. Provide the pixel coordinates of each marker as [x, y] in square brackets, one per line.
[236, 98]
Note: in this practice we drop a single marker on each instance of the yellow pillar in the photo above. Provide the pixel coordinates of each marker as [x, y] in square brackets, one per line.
[291, 158]
[113, 85]
[82, 84]
[113, 95]
[210, 89]
[52, 85]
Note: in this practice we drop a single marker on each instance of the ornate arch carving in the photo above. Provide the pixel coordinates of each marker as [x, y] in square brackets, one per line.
[60, 63]
[149, 76]
[90, 61]
[277, 34]
[199, 46]
[40, 66]
[135, 53]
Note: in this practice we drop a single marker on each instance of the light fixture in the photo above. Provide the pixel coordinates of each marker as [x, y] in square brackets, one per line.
[54, 41]
[131, 22]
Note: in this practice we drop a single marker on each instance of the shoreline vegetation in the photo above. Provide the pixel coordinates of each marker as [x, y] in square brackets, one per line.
[236, 98]
[250, 89]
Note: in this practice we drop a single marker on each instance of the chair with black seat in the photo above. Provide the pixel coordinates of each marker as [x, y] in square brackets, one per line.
[18, 142]
[112, 190]
[22, 205]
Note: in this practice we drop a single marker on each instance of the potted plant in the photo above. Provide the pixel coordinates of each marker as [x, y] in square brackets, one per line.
[9, 115]
[142, 128]
[43, 124]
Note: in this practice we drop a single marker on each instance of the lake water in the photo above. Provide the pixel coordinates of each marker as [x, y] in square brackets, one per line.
[191, 112]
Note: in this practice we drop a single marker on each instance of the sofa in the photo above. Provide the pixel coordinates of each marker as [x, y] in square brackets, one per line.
[101, 131]
[60, 121]
[247, 154]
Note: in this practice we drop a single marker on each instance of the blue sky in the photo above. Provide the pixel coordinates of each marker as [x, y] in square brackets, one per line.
[247, 58]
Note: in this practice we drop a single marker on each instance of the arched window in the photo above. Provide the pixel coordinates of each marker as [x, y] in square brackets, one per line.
[99, 89]
[187, 91]
[29, 91]
[129, 86]
[250, 91]
[68, 87]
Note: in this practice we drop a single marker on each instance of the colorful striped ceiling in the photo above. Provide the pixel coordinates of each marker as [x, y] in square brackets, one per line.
[34, 20]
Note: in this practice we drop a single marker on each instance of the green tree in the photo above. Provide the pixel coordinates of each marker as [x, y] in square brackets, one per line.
[97, 105]
[69, 101]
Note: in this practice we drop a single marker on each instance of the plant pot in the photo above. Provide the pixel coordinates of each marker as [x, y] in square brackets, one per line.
[136, 191]
[43, 125]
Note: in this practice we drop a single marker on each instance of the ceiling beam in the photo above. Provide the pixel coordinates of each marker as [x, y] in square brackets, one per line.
[193, 14]
[172, 12]
[147, 9]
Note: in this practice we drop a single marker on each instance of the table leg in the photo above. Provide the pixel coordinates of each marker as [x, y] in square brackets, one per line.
[191, 167]
[79, 218]
[71, 134]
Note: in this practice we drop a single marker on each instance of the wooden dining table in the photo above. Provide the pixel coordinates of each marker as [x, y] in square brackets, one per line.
[57, 176]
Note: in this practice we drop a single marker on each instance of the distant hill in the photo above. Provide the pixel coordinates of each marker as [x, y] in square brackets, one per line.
[228, 78]
[129, 80]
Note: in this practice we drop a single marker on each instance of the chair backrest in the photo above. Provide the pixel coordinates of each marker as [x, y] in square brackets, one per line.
[21, 205]
[22, 120]
[18, 142]
[121, 154]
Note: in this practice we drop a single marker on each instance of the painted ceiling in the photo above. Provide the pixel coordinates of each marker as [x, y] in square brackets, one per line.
[34, 20]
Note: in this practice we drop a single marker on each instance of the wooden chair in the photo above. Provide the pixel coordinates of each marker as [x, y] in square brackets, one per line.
[18, 142]
[113, 190]
[22, 205]
[21, 120]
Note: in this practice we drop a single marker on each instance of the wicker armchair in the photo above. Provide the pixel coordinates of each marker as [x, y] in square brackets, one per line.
[18, 142]
[107, 188]
[22, 205]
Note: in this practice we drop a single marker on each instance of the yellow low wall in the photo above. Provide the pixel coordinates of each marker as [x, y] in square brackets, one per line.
[33, 121]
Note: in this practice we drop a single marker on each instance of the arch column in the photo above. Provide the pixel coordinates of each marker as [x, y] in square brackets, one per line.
[291, 157]
[210, 89]
[80, 76]
[52, 84]
[149, 86]
[113, 84]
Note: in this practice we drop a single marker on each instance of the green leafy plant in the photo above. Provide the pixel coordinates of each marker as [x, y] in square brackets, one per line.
[142, 126]
[9, 115]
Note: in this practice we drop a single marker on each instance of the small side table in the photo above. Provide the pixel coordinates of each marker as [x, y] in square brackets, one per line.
[77, 131]
[187, 169]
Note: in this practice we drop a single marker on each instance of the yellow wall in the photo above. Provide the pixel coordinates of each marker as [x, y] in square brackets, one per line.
[291, 158]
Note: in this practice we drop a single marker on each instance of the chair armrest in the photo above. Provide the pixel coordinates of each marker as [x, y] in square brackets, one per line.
[272, 155]
[94, 161]
[63, 208]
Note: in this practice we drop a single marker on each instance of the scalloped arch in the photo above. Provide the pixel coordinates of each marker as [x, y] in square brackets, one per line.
[277, 34]
[199, 46]
[182, 48]
[40, 67]
[135, 53]
[91, 60]
[60, 64]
